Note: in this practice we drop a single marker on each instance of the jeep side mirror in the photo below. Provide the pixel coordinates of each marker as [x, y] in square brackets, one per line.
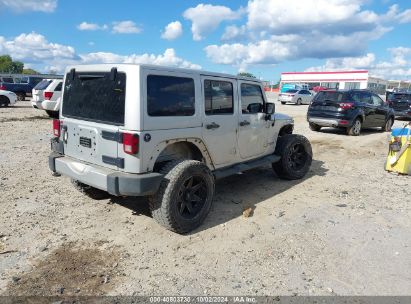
[269, 108]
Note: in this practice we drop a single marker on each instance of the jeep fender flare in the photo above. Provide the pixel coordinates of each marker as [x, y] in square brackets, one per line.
[198, 143]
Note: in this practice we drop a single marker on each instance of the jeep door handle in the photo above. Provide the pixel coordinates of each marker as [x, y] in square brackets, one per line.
[244, 123]
[213, 125]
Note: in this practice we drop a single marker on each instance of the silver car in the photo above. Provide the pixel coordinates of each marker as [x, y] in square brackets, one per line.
[296, 96]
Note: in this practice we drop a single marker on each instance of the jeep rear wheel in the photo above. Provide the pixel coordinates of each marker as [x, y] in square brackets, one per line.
[90, 191]
[296, 157]
[185, 195]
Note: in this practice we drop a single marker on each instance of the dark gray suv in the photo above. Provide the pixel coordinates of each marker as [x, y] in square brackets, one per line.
[349, 109]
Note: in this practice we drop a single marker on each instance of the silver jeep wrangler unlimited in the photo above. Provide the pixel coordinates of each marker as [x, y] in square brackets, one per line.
[168, 133]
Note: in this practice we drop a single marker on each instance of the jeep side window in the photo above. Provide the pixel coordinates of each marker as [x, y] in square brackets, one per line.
[252, 100]
[170, 96]
[218, 97]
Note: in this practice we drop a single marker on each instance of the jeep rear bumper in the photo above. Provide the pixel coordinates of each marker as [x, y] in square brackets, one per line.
[114, 182]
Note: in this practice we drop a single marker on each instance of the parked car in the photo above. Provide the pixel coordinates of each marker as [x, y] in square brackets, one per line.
[296, 96]
[7, 98]
[293, 86]
[168, 133]
[46, 95]
[401, 104]
[351, 110]
[23, 88]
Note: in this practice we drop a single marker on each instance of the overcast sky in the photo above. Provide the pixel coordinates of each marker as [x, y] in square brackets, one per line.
[264, 37]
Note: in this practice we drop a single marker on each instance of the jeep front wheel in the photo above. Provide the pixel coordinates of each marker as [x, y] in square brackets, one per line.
[185, 195]
[296, 157]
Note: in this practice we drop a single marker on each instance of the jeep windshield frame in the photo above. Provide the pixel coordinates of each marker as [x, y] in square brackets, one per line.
[95, 96]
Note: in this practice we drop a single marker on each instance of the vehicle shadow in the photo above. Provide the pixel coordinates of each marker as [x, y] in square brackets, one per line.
[405, 119]
[234, 194]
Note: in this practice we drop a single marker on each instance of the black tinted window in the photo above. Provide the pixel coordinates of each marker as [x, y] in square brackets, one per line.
[252, 100]
[36, 80]
[366, 97]
[218, 97]
[330, 96]
[8, 80]
[170, 96]
[58, 87]
[94, 96]
[42, 85]
[376, 100]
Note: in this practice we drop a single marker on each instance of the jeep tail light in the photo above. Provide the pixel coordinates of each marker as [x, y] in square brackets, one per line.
[56, 127]
[48, 95]
[130, 143]
[346, 105]
[3, 87]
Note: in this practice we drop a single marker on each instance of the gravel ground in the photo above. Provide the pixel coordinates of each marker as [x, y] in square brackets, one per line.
[343, 230]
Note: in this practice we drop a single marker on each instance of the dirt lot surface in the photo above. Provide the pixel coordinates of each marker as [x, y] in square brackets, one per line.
[345, 229]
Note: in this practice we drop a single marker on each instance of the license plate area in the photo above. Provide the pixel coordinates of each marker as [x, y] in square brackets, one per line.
[86, 140]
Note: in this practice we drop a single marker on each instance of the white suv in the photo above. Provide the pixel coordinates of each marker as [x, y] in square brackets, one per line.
[47, 96]
[167, 133]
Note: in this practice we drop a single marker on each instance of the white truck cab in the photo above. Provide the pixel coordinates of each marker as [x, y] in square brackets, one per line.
[168, 133]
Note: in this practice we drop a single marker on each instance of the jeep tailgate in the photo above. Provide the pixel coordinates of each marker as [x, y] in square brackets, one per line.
[92, 113]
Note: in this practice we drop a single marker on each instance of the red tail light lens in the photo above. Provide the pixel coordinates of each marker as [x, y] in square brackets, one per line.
[48, 95]
[130, 143]
[346, 105]
[3, 88]
[56, 127]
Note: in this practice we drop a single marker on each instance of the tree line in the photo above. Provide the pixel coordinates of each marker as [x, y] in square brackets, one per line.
[8, 65]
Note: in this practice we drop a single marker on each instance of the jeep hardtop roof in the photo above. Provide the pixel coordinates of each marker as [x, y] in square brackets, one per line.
[108, 66]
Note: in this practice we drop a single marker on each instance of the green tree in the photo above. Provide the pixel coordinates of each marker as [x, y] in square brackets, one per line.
[30, 72]
[277, 85]
[246, 74]
[7, 65]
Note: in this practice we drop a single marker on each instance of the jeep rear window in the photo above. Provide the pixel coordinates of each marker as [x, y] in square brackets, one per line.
[93, 96]
[170, 96]
[330, 96]
[42, 85]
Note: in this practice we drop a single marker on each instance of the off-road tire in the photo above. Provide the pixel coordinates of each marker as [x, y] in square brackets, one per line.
[314, 127]
[53, 114]
[21, 96]
[355, 129]
[283, 102]
[4, 101]
[299, 100]
[293, 148]
[90, 191]
[388, 125]
[164, 205]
